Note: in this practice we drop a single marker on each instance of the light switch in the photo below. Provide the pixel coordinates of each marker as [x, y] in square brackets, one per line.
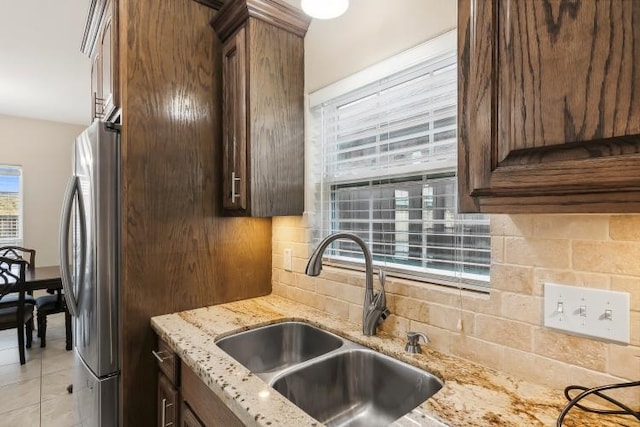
[287, 259]
[589, 312]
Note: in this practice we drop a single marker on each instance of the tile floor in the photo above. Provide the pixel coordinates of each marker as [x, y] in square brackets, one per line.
[35, 394]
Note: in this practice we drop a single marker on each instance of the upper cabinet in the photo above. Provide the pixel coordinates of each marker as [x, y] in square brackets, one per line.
[100, 43]
[263, 107]
[549, 106]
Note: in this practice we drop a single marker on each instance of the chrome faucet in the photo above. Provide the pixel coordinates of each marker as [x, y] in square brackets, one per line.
[374, 308]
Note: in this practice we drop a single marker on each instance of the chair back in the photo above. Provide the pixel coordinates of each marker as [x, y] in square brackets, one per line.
[19, 253]
[12, 276]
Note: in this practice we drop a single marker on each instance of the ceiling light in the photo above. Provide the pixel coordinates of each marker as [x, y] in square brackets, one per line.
[325, 9]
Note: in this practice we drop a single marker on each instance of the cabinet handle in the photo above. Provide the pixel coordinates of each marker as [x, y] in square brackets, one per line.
[234, 179]
[98, 104]
[158, 356]
[163, 419]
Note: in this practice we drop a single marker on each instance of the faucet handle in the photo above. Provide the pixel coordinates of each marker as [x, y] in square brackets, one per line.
[380, 298]
[413, 345]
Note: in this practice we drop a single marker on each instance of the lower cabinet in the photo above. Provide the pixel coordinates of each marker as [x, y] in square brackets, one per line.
[184, 399]
[168, 402]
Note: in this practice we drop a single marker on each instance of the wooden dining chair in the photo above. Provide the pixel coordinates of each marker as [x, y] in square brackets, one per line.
[18, 252]
[52, 304]
[16, 314]
[24, 254]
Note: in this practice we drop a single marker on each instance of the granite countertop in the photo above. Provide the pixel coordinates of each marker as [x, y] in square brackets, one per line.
[472, 395]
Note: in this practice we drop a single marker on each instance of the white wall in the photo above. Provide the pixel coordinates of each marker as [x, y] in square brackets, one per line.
[370, 31]
[43, 149]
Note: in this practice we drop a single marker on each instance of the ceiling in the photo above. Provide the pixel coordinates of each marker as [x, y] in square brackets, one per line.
[43, 74]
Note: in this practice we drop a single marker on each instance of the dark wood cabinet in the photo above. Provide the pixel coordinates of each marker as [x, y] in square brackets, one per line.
[100, 42]
[108, 46]
[168, 403]
[168, 362]
[549, 106]
[183, 398]
[234, 148]
[96, 89]
[263, 107]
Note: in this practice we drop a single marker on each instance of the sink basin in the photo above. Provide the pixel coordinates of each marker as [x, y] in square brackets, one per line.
[336, 381]
[357, 387]
[279, 346]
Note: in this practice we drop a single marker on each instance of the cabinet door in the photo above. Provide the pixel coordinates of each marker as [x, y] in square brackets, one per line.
[96, 88]
[188, 418]
[168, 401]
[234, 123]
[549, 106]
[108, 49]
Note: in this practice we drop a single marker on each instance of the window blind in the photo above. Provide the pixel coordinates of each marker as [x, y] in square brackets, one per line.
[10, 205]
[385, 170]
[397, 126]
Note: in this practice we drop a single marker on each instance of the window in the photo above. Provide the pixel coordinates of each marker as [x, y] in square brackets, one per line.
[10, 205]
[385, 170]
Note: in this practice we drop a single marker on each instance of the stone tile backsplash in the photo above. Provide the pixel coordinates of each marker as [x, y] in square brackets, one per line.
[502, 329]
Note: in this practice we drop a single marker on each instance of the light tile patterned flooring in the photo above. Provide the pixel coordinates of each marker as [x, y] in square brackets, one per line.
[35, 394]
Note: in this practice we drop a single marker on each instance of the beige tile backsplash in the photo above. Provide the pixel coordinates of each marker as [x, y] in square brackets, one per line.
[502, 329]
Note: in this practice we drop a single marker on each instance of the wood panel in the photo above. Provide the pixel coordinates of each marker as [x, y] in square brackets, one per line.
[549, 112]
[205, 404]
[276, 115]
[178, 252]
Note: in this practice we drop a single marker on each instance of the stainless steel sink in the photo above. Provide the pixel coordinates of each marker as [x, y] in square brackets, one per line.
[336, 381]
[276, 347]
[357, 387]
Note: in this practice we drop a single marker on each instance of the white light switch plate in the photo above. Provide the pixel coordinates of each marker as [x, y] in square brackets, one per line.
[590, 312]
[287, 259]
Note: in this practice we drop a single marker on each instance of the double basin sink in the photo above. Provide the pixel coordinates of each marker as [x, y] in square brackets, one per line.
[336, 381]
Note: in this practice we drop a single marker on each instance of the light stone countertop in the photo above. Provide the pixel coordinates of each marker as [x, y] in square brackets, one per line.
[472, 395]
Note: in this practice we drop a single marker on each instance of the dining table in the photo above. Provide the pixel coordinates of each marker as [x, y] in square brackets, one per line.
[43, 278]
[36, 278]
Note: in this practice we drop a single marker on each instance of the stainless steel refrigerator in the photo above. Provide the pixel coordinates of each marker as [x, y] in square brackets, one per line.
[89, 250]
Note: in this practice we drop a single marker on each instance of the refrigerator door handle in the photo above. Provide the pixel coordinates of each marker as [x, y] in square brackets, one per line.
[73, 188]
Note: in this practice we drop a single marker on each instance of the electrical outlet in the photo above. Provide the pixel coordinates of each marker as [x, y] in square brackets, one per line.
[287, 259]
[590, 312]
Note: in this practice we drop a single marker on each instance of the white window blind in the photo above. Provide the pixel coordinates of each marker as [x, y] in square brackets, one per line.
[10, 205]
[385, 170]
